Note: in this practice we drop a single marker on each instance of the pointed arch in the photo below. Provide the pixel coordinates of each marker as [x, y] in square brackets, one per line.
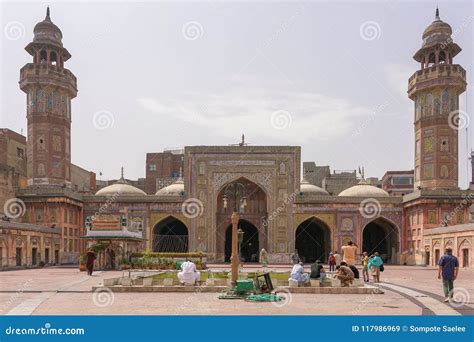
[253, 210]
[250, 247]
[465, 252]
[313, 240]
[170, 235]
[247, 178]
[382, 235]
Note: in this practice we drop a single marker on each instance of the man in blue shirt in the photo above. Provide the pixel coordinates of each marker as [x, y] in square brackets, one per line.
[448, 270]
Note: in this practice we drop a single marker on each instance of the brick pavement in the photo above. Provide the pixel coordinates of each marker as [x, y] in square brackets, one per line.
[68, 292]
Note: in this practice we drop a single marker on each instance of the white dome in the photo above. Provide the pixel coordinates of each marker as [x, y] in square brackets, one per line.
[308, 188]
[175, 189]
[121, 187]
[364, 189]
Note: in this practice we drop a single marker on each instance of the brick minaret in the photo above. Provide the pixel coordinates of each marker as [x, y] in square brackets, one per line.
[435, 90]
[49, 88]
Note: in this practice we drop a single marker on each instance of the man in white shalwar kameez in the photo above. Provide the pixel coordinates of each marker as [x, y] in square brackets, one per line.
[298, 274]
[188, 274]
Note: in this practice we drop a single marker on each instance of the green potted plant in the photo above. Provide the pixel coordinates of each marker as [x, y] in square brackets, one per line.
[82, 263]
[125, 264]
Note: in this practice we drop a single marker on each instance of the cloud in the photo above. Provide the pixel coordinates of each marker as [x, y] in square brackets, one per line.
[311, 116]
[397, 76]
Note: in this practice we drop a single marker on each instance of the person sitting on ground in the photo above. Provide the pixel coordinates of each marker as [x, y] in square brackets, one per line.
[344, 274]
[298, 274]
[188, 275]
[315, 269]
[375, 262]
[353, 269]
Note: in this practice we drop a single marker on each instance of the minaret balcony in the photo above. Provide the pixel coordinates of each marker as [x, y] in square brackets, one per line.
[440, 75]
[48, 75]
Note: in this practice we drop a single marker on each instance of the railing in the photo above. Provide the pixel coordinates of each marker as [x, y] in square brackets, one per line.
[170, 243]
[439, 68]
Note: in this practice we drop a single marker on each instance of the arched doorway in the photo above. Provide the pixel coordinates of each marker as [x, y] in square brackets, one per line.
[313, 240]
[252, 211]
[249, 249]
[381, 235]
[464, 255]
[170, 235]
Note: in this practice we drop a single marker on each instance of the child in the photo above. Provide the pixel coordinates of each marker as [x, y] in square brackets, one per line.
[332, 262]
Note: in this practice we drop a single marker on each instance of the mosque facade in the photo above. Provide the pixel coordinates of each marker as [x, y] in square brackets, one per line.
[279, 211]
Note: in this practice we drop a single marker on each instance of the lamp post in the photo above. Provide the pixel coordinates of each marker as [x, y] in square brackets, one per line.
[236, 192]
[240, 233]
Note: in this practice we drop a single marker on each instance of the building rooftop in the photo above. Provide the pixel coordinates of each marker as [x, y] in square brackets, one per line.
[449, 229]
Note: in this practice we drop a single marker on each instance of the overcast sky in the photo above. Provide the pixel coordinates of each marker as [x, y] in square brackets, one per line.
[328, 76]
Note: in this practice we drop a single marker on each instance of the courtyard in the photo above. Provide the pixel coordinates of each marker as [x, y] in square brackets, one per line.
[408, 290]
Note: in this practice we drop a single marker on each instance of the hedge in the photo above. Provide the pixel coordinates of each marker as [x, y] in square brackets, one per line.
[169, 255]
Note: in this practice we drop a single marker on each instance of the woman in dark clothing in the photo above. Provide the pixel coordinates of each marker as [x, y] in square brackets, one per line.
[90, 261]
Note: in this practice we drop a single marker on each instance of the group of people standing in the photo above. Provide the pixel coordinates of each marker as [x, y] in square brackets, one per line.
[345, 270]
[343, 266]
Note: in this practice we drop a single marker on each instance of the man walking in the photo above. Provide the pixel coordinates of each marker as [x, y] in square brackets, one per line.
[90, 261]
[448, 267]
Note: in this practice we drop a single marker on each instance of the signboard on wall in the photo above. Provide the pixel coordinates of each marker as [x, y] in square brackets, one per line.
[106, 222]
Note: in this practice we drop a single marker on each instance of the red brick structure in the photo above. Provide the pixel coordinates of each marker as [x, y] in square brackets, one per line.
[49, 88]
[48, 199]
[437, 201]
[162, 168]
[398, 183]
[278, 211]
[435, 90]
